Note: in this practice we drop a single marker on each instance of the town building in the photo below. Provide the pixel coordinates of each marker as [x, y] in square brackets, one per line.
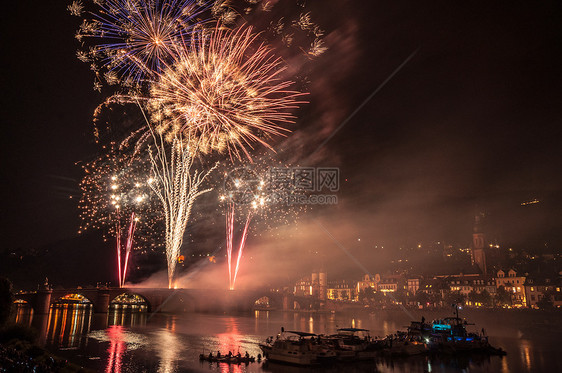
[368, 281]
[537, 288]
[342, 291]
[413, 285]
[514, 284]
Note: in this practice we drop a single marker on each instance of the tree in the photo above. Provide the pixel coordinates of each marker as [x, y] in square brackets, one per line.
[455, 297]
[503, 297]
[366, 294]
[400, 295]
[6, 299]
[423, 298]
[546, 300]
[485, 298]
[473, 297]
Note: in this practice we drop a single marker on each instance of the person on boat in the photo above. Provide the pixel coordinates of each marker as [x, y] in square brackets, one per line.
[238, 355]
[218, 354]
[259, 357]
[247, 355]
[229, 354]
[210, 356]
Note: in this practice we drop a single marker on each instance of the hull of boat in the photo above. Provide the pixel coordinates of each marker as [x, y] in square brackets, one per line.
[288, 358]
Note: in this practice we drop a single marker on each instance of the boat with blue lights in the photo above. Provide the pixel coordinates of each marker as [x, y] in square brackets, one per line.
[449, 335]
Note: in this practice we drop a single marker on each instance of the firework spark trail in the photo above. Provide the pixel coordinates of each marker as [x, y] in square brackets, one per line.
[241, 248]
[225, 92]
[229, 238]
[177, 188]
[119, 249]
[129, 245]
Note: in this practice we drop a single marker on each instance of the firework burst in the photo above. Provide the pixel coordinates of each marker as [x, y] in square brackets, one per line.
[116, 197]
[246, 195]
[133, 38]
[116, 183]
[225, 91]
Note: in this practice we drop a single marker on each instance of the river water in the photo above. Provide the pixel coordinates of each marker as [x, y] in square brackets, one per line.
[133, 341]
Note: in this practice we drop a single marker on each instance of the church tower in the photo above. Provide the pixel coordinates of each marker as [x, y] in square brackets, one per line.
[478, 254]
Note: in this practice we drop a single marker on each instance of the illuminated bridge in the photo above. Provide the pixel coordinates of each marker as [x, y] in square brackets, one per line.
[162, 299]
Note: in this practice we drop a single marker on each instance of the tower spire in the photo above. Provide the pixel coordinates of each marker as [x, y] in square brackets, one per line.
[478, 240]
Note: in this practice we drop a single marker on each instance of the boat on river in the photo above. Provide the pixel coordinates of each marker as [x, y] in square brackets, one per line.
[355, 344]
[402, 344]
[234, 359]
[297, 348]
[449, 335]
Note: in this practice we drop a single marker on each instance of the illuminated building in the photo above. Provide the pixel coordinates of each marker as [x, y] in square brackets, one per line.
[514, 284]
[389, 283]
[413, 285]
[536, 289]
[303, 287]
[368, 281]
[315, 286]
[341, 291]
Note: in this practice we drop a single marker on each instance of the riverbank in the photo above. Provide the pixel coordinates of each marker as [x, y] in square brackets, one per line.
[18, 353]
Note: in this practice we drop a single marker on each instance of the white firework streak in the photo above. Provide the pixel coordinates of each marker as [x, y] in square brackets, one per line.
[177, 187]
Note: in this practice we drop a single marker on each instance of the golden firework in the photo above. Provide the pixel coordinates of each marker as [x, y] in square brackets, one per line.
[225, 90]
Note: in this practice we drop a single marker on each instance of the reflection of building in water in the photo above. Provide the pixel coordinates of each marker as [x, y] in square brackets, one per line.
[23, 313]
[68, 324]
[126, 317]
[127, 309]
[70, 318]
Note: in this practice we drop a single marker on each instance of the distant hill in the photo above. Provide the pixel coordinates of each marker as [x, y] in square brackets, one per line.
[83, 260]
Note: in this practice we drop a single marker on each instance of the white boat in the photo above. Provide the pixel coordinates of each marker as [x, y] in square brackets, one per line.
[358, 342]
[297, 348]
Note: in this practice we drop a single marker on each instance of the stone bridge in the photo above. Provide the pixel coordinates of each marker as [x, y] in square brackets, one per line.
[168, 300]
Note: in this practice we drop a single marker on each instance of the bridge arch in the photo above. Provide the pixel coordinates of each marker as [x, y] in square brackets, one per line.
[129, 300]
[265, 302]
[72, 298]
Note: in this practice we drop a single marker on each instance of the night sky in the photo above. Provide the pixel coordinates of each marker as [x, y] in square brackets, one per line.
[470, 123]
